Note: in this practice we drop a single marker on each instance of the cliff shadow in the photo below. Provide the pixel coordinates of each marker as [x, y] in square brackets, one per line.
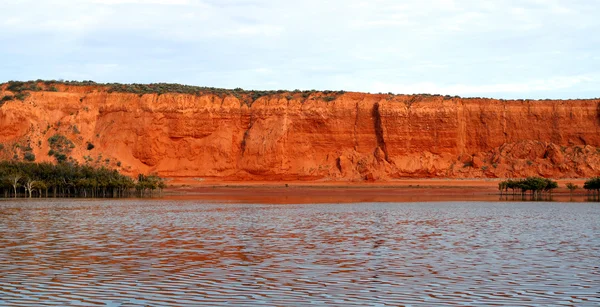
[377, 123]
[598, 113]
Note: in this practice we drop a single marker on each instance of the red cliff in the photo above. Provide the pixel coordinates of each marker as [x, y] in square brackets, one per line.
[299, 136]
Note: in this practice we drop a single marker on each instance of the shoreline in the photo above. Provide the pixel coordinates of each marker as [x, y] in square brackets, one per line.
[491, 185]
[413, 190]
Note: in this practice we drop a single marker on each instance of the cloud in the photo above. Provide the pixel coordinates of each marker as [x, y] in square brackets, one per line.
[163, 2]
[467, 47]
[530, 86]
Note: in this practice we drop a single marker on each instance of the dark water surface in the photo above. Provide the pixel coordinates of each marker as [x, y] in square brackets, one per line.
[188, 253]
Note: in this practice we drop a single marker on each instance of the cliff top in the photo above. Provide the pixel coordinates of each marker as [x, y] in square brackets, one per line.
[21, 88]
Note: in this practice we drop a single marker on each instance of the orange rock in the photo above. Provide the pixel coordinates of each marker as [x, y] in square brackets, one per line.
[477, 162]
[352, 138]
[554, 153]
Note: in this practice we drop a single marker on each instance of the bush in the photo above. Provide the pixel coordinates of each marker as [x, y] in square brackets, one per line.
[90, 146]
[15, 86]
[572, 187]
[537, 185]
[592, 184]
[34, 87]
[60, 146]
[60, 158]
[21, 96]
[83, 180]
[7, 98]
[29, 156]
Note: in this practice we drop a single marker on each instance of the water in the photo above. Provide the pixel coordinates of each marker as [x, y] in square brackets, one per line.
[189, 253]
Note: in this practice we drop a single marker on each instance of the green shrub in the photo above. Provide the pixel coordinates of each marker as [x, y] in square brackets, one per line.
[536, 185]
[21, 96]
[82, 180]
[34, 87]
[29, 156]
[90, 146]
[60, 147]
[15, 86]
[245, 96]
[7, 98]
[592, 184]
[60, 158]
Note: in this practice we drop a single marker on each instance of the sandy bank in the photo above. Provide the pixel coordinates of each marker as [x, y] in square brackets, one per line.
[344, 192]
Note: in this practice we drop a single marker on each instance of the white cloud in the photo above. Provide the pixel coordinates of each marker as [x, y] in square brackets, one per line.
[269, 30]
[541, 85]
[442, 46]
[164, 2]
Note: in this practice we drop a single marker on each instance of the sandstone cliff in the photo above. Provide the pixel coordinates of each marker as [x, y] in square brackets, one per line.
[298, 136]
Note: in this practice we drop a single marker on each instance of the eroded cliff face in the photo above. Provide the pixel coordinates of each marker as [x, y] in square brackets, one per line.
[288, 136]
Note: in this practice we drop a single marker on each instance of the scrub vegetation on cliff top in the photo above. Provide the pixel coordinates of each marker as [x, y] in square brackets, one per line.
[20, 91]
[21, 88]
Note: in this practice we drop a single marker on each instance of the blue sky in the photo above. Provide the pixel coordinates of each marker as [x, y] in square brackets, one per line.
[495, 48]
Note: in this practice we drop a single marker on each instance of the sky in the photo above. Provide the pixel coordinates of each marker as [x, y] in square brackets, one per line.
[531, 49]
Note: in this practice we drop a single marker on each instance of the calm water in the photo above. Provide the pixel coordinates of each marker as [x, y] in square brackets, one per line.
[188, 253]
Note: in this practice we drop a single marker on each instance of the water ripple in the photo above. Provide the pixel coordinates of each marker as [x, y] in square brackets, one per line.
[186, 253]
